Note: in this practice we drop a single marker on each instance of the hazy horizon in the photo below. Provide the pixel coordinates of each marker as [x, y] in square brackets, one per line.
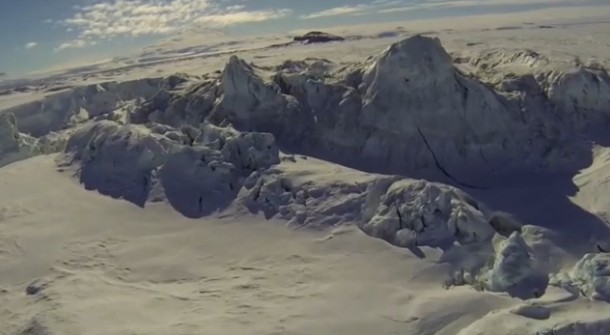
[42, 35]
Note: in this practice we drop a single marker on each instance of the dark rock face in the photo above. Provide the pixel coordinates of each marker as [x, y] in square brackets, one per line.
[318, 37]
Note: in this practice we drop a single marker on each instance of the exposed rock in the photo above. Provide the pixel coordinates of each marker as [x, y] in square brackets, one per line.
[36, 287]
[318, 37]
[504, 224]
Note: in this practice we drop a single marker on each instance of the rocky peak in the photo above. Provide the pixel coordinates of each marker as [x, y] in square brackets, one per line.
[318, 37]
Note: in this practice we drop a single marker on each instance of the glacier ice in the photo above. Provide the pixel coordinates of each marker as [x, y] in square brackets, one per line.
[13, 144]
[512, 265]
[117, 160]
[590, 277]
[197, 180]
[407, 111]
[411, 111]
[582, 95]
[9, 135]
[419, 213]
[196, 176]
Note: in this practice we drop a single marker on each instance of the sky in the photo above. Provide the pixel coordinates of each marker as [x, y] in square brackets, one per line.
[41, 34]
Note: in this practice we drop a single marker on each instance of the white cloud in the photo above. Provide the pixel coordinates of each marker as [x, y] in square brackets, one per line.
[230, 18]
[338, 11]
[436, 4]
[75, 44]
[354, 10]
[108, 19]
[31, 45]
[392, 6]
[133, 18]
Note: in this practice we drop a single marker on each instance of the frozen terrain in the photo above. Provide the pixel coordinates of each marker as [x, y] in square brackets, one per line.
[402, 180]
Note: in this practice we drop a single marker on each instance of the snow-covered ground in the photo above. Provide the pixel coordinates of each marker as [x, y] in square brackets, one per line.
[425, 178]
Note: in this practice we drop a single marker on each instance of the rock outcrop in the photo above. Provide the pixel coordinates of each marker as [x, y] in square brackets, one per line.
[318, 37]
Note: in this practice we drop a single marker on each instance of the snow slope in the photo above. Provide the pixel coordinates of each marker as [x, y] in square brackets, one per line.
[70, 268]
[155, 272]
[483, 169]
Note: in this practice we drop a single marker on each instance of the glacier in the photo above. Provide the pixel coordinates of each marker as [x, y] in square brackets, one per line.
[411, 129]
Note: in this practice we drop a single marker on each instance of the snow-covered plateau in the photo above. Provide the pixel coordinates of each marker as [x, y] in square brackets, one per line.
[425, 189]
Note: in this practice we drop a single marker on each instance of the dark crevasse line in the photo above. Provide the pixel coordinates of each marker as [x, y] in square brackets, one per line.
[441, 168]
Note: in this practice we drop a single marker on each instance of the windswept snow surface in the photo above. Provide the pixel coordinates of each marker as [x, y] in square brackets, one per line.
[393, 183]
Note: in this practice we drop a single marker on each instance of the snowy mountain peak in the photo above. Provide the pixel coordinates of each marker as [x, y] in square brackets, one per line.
[235, 61]
[416, 60]
[241, 82]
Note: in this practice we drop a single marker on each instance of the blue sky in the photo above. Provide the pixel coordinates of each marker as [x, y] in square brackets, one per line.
[38, 34]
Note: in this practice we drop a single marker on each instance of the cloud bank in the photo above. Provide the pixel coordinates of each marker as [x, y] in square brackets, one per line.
[393, 6]
[134, 18]
[109, 19]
